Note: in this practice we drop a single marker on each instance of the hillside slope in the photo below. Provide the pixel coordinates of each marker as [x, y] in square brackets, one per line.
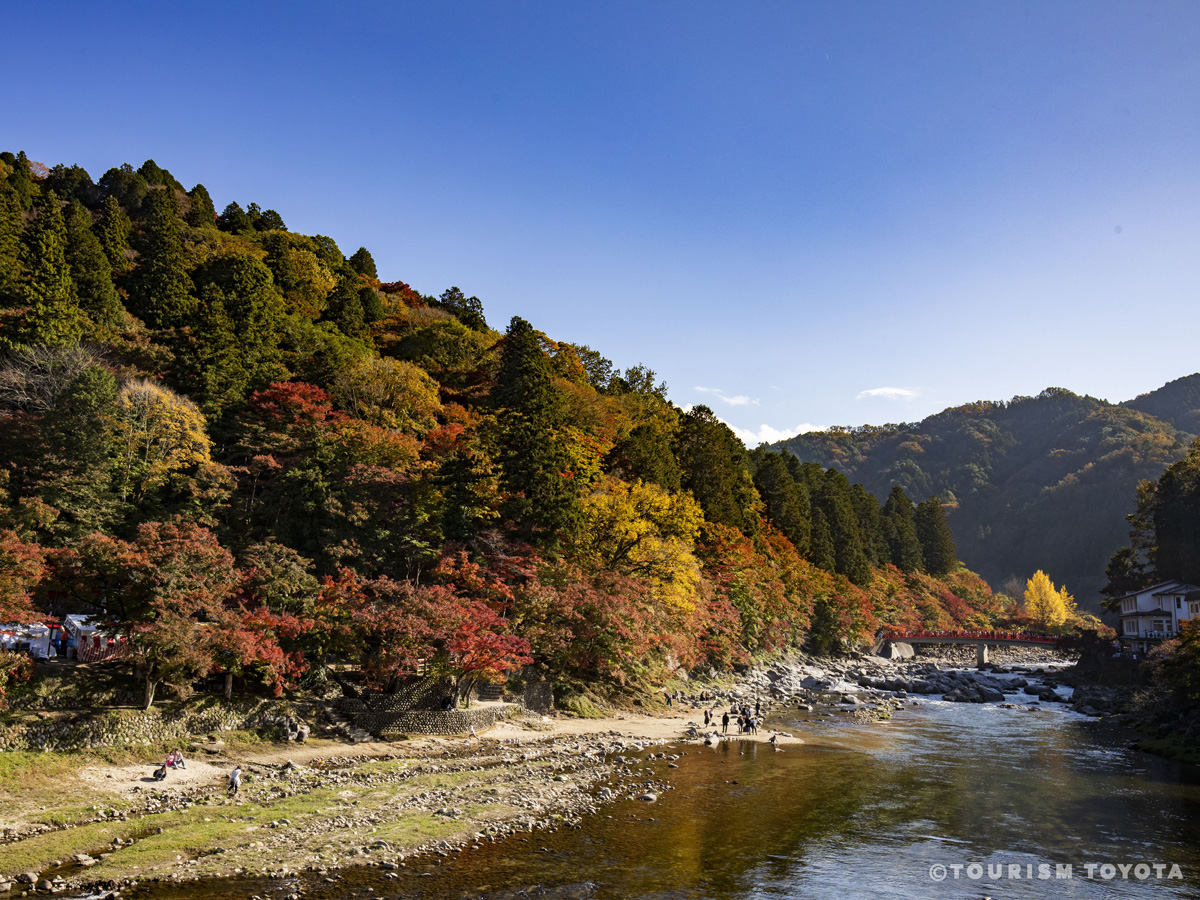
[1176, 402]
[1037, 482]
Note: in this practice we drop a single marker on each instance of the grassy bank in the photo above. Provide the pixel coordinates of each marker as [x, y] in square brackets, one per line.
[375, 807]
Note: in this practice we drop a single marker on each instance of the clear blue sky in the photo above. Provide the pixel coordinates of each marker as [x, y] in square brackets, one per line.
[799, 213]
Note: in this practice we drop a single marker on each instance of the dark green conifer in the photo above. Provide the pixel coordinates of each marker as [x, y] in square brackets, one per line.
[279, 261]
[12, 228]
[156, 175]
[469, 489]
[90, 270]
[716, 468]
[645, 453]
[835, 500]
[72, 183]
[903, 546]
[240, 327]
[112, 228]
[20, 178]
[785, 502]
[937, 543]
[468, 310]
[47, 291]
[821, 553]
[235, 219]
[127, 186]
[363, 263]
[201, 213]
[268, 220]
[536, 462]
[372, 304]
[77, 479]
[344, 309]
[161, 294]
[870, 524]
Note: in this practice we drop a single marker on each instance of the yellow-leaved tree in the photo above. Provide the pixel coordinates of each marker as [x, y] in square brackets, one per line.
[156, 433]
[1045, 604]
[641, 530]
[391, 393]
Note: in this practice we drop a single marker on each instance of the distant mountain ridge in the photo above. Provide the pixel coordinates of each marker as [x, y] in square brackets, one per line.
[1176, 402]
[1033, 483]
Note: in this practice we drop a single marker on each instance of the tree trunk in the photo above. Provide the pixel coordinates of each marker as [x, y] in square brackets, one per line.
[151, 686]
[228, 687]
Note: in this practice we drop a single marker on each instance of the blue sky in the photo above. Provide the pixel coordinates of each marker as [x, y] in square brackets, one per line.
[799, 213]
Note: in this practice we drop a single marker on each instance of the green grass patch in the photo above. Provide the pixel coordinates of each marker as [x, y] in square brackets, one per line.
[38, 852]
[418, 828]
[581, 707]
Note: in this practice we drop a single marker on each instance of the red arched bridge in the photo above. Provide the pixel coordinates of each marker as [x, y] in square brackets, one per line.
[981, 639]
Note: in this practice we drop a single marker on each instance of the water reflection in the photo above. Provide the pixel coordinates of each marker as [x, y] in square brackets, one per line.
[859, 811]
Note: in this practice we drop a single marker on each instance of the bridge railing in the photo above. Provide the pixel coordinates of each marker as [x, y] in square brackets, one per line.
[981, 636]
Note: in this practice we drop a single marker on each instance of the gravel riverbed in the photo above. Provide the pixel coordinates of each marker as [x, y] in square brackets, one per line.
[326, 806]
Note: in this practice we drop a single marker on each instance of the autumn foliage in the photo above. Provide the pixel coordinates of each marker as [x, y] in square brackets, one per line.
[250, 457]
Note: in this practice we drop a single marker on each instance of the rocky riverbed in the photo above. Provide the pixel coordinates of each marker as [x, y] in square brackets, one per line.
[397, 806]
[871, 686]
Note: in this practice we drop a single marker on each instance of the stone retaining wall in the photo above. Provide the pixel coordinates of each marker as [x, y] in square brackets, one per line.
[427, 693]
[538, 696]
[131, 727]
[433, 721]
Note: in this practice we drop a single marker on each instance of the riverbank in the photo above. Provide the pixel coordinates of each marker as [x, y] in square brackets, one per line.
[326, 805]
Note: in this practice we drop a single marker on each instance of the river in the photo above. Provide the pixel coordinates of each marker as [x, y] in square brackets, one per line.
[859, 811]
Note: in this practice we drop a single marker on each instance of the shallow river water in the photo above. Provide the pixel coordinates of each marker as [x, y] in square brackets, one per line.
[857, 812]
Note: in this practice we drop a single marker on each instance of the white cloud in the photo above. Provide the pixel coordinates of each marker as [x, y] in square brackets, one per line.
[739, 400]
[892, 393]
[767, 434]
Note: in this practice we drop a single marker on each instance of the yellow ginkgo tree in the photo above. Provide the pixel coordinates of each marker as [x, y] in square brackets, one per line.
[1045, 604]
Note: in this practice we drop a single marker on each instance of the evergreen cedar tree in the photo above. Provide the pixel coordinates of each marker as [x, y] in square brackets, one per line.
[248, 454]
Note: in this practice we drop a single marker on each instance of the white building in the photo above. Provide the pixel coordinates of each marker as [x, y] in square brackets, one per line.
[1194, 604]
[1154, 614]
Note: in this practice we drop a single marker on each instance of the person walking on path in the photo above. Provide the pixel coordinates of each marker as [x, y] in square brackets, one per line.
[235, 780]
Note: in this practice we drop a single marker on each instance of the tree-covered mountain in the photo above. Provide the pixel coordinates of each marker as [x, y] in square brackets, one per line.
[247, 452]
[1176, 402]
[1034, 483]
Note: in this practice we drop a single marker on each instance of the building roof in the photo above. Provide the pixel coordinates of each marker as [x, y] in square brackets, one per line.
[1145, 612]
[1163, 587]
[1177, 587]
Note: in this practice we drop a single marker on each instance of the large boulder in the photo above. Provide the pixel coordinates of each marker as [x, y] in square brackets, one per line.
[898, 650]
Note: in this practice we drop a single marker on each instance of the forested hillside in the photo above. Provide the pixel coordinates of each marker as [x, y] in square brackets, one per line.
[1177, 402]
[249, 453]
[1034, 483]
